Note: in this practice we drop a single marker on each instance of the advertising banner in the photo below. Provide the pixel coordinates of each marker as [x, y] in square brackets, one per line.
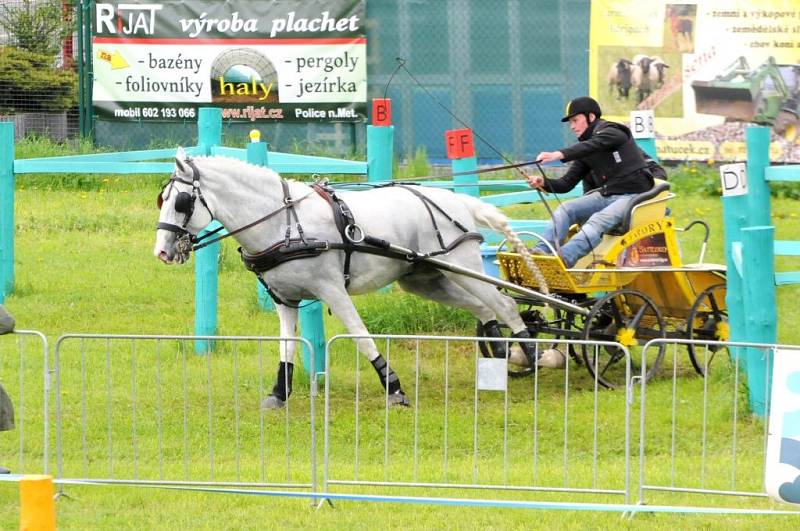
[259, 60]
[707, 70]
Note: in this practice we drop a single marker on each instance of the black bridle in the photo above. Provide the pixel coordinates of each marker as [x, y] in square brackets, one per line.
[185, 204]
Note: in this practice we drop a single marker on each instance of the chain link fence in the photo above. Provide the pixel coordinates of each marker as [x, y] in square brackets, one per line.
[503, 68]
[38, 76]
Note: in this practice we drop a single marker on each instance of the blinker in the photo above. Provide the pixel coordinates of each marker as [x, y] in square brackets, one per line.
[184, 203]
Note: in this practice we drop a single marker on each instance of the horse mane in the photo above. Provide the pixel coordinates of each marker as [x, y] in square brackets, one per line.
[232, 163]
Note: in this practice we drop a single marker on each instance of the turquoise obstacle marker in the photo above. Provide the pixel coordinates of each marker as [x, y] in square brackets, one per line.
[750, 250]
[758, 267]
[380, 152]
[206, 265]
[733, 210]
[466, 184]
[206, 272]
[6, 209]
[648, 145]
[258, 154]
[312, 328]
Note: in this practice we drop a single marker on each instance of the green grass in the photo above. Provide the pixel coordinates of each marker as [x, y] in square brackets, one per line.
[84, 264]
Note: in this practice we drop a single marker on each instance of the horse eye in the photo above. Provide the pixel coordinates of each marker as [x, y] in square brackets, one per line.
[184, 203]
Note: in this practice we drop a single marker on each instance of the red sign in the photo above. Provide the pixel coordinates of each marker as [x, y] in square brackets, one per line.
[381, 111]
[460, 143]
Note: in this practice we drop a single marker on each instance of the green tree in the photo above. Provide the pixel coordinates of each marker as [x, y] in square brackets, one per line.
[37, 26]
[30, 83]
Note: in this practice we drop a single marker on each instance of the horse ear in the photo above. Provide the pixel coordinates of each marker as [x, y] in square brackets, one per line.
[180, 159]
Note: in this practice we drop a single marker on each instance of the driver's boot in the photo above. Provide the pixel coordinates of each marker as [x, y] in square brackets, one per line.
[492, 329]
[531, 353]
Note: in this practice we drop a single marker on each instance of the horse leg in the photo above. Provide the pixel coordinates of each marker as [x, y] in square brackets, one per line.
[342, 307]
[287, 316]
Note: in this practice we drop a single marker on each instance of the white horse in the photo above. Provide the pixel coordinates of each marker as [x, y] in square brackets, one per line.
[237, 194]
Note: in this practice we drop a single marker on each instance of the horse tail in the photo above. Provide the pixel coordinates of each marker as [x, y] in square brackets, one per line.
[491, 217]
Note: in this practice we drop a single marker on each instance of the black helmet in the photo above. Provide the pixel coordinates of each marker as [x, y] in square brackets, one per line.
[582, 105]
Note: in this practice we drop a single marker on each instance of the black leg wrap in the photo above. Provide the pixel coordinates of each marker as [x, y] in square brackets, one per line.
[492, 329]
[389, 379]
[528, 348]
[283, 386]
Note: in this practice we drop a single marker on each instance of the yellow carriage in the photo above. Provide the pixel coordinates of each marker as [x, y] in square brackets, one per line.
[635, 287]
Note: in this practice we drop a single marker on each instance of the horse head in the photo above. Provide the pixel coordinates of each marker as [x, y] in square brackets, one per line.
[184, 212]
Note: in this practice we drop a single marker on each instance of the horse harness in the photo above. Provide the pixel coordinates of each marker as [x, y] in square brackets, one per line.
[353, 237]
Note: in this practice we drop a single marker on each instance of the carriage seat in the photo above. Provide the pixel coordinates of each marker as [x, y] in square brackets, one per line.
[644, 208]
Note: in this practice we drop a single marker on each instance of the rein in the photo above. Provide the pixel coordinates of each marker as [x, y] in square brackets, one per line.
[288, 202]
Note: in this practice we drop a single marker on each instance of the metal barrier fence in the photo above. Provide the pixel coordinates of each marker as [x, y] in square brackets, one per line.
[468, 427]
[145, 409]
[139, 409]
[24, 374]
[713, 447]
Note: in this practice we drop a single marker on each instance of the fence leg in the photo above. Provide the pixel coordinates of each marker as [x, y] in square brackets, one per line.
[758, 264]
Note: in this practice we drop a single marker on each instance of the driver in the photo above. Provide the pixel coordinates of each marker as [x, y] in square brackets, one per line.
[612, 169]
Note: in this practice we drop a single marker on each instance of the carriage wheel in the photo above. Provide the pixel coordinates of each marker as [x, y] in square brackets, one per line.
[533, 320]
[707, 320]
[630, 318]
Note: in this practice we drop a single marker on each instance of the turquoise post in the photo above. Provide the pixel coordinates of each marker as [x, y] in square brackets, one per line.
[380, 154]
[258, 154]
[758, 198]
[209, 133]
[648, 145]
[6, 209]
[312, 328]
[758, 264]
[466, 184]
[380, 148]
[734, 212]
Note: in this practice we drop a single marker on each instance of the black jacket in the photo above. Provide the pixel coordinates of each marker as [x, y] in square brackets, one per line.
[605, 157]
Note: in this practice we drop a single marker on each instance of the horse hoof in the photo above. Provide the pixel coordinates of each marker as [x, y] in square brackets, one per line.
[399, 399]
[272, 402]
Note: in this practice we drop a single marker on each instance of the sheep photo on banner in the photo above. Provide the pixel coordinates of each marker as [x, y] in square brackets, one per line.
[705, 69]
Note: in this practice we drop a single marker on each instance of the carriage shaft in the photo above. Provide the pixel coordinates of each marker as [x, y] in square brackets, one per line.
[552, 301]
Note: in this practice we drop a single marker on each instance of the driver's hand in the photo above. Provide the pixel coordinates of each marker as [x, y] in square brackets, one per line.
[549, 156]
[536, 181]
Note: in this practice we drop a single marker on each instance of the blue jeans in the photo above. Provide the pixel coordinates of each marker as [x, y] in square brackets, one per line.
[596, 213]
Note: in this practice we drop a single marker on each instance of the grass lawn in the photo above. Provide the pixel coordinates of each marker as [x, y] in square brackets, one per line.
[84, 264]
